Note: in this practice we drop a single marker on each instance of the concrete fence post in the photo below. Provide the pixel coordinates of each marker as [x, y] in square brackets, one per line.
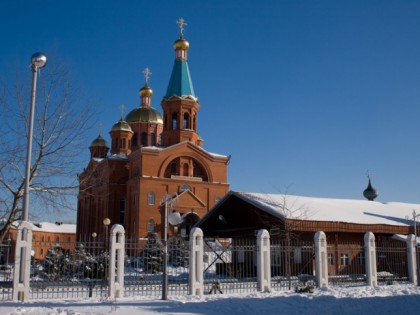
[196, 262]
[263, 261]
[321, 259]
[22, 262]
[116, 262]
[370, 256]
[412, 258]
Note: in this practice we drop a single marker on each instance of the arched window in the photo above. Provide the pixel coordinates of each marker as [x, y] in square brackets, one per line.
[174, 121]
[151, 226]
[152, 139]
[186, 121]
[151, 198]
[199, 171]
[144, 139]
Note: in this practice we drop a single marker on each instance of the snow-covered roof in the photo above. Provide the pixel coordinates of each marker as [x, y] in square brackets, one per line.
[333, 210]
[50, 227]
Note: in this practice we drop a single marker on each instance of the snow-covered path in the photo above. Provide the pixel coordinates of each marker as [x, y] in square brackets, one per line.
[392, 300]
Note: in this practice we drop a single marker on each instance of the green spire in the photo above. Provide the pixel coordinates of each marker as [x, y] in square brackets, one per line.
[180, 83]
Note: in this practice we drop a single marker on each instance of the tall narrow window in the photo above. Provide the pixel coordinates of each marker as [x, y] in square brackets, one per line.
[144, 139]
[174, 121]
[186, 121]
[151, 198]
[330, 259]
[134, 140]
[152, 139]
[344, 259]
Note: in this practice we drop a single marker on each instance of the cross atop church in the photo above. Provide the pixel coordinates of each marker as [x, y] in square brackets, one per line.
[100, 127]
[181, 23]
[368, 174]
[122, 110]
[147, 73]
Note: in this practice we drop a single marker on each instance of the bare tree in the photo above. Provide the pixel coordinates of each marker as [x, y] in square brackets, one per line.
[60, 125]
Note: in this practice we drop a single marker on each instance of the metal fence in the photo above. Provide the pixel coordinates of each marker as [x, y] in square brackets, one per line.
[80, 270]
[292, 264]
[391, 262]
[346, 263]
[230, 265]
[6, 270]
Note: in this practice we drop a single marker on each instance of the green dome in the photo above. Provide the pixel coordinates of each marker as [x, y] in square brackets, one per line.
[144, 114]
[121, 125]
[99, 142]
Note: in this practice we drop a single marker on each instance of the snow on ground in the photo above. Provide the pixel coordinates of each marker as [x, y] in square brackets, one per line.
[384, 300]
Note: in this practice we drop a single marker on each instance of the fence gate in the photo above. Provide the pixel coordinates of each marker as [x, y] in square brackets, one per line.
[230, 265]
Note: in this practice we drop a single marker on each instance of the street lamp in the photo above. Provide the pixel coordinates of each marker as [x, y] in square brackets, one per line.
[172, 218]
[415, 216]
[38, 61]
[93, 245]
[106, 223]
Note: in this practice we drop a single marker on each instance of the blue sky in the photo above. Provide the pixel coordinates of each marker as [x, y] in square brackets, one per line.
[305, 95]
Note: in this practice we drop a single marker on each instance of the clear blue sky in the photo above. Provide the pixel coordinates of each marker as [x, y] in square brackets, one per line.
[305, 95]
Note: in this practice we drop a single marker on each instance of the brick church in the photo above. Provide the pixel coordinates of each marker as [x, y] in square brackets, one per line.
[153, 157]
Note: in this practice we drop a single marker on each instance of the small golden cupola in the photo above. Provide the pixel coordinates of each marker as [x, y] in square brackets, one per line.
[121, 135]
[145, 121]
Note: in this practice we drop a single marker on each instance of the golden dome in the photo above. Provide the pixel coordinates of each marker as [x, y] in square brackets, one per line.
[121, 125]
[99, 142]
[144, 115]
[146, 91]
[181, 44]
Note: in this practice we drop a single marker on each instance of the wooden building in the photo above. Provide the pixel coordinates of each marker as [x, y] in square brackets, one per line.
[293, 220]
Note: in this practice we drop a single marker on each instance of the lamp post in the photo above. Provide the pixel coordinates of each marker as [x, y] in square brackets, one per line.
[168, 200]
[415, 216]
[93, 244]
[9, 240]
[106, 223]
[38, 61]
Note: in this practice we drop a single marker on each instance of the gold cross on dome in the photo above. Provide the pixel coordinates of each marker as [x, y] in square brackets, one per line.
[100, 126]
[122, 110]
[181, 23]
[147, 73]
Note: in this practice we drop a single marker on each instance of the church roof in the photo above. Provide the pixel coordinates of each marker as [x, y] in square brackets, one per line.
[99, 142]
[144, 115]
[180, 83]
[154, 148]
